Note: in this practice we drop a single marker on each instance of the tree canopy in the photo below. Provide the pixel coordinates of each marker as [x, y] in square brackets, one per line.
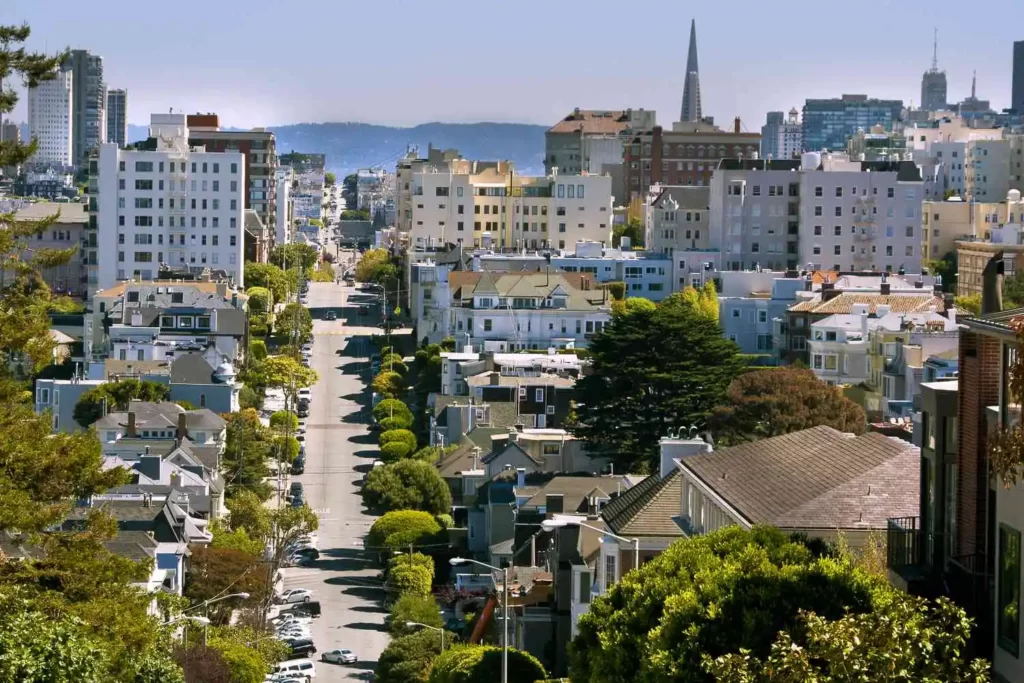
[483, 663]
[401, 528]
[294, 325]
[410, 579]
[283, 372]
[408, 658]
[247, 447]
[652, 370]
[764, 403]
[391, 407]
[288, 256]
[388, 383]
[116, 396]
[375, 266]
[219, 571]
[268, 276]
[407, 485]
[734, 591]
[634, 230]
[260, 300]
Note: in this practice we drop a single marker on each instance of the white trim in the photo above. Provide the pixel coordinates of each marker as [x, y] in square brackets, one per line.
[694, 480]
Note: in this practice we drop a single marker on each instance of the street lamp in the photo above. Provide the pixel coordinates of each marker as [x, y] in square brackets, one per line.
[551, 524]
[206, 607]
[455, 561]
[199, 620]
[411, 624]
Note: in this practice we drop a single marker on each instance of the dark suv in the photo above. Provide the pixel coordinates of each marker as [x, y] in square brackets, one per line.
[300, 647]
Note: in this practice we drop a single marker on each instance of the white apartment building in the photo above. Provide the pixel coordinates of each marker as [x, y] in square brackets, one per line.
[284, 225]
[308, 196]
[782, 138]
[987, 170]
[50, 119]
[490, 206]
[175, 205]
[940, 148]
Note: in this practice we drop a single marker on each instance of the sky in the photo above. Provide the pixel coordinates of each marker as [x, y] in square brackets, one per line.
[404, 62]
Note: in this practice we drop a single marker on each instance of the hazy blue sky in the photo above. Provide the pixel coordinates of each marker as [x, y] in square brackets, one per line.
[404, 62]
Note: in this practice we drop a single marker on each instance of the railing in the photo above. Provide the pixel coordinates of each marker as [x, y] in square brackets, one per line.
[903, 542]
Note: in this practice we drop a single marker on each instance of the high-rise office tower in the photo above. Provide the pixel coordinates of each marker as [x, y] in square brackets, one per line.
[50, 119]
[933, 83]
[781, 137]
[1017, 97]
[690, 110]
[117, 117]
[89, 124]
[828, 123]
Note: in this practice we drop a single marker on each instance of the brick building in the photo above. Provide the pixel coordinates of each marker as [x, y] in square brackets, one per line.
[686, 155]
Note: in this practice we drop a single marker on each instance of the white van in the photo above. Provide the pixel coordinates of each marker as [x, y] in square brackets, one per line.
[304, 666]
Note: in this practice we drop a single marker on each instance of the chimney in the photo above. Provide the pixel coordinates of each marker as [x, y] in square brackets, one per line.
[182, 426]
[948, 304]
[736, 125]
[554, 503]
[885, 289]
[520, 477]
[222, 290]
[136, 318]
[147, 500]
[213, 320]
[130, 431]
[992, 285]
[864, 325]
[677, 448]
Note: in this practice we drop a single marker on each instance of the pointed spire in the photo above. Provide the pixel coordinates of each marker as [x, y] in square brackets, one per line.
[691, 110]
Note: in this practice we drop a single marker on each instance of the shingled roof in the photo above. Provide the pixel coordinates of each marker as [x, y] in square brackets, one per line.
[647, 509]
[817, 478]
[898, 303]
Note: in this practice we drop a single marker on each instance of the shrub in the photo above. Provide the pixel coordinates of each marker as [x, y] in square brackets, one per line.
[284, 421]
[480, 663]
[402, 528]
[407, 659]
[410, 579]
[407, 485]
[391, 407]
[248, 398]
[401, 435]
[398, 422]
[394, 451]
[258, 349]
[388, 383]
[418, 608]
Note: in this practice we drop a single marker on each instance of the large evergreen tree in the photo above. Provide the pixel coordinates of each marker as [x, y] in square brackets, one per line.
[653, 370]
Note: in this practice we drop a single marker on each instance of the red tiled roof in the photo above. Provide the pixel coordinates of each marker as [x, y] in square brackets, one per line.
[592, 122]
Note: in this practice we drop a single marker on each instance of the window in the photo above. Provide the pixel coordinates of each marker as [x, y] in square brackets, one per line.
[143, 166]
[609, 571]
[579, 192]
[488, 325]
[839, 192]
[234, 168]
[143, 184]
[1008, 600]
[817, 191]
[817, 211]
[762, 316]
[584, 596]
[891, 192]
[234, 241]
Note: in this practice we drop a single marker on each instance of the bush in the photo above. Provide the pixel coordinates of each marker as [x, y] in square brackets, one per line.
[248, 398]
[410, 579]
[402, 528]
[388, 383]
[407, 659]
[482, 664]
[420, 609]
[394, 452]
[289, 447]
[392, 423]
[400, 435]
[391, 407]
[445, 520]
[260, 300]
[284, 421]
[407, 485]
[258, 350]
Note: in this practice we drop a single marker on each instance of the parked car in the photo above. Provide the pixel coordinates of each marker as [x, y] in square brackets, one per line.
[311, 609]
[330, 315]
[295, 595]
[339, 657]
[301, 647]
[299, 465]
[306, 394]
[298, 502]
[305, 666]
[296, 489]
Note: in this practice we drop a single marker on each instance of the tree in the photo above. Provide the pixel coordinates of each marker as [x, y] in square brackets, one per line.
[247, 447]
[407, 659]
[395, 451]
[407, 485]
[631, 305]
[651, 371]
[202, 663]
[294, 325]
[483, 664]
[285, 373]
[410, 579]
[226, 538]
[249, 653]
[947, 269]
[260, 300]
[701, 302]
[268, 276]
[325, 273]
[402, 528]
[116, 396]
[420, 609]
[398, 422]
[910, 637]
[402, 435]
[330, 179]
[287, 256]
[258, 350]
[617, 290]
[375, 266]
[220, 571]
[727, 592]
[634, 230]
[764, 403]
[284, 421]
[391, 407]
[970, 303]
[1013, 291]
[388, 383]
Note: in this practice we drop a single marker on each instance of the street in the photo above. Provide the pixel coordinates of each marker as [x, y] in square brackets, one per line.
[339, 452]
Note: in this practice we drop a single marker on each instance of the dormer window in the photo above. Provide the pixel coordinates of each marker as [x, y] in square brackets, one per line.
[185, 321]
[830, 336]
[166, 321]
[203, 322]
[558, 302]
[133, 297]
[177, 298]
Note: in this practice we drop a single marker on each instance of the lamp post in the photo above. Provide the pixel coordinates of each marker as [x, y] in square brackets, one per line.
[411, 624]
[199, 620]
[455, 561]
[205, 620]
[550, 524]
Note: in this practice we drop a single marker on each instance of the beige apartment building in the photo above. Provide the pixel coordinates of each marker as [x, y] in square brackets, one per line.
[489, 205]
[407, 166]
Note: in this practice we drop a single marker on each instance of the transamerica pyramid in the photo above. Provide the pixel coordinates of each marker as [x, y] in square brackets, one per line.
[691, 88]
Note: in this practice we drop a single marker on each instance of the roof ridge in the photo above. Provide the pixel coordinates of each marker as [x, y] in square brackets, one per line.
[627, 506]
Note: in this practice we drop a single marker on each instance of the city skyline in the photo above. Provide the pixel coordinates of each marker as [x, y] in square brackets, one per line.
[742, 74]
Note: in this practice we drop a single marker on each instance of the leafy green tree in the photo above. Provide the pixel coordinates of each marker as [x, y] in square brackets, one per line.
[970, 303]
[388, 383]
[390, 423]
[268, 276]
[483, 664]
[325, 273]
[248, 653]
[220, 571]
[391, 407]
[906, 640]
[652, 371]
[330, 179]
[116, 396]
[407, 485]
[246, 450]
[402, 435]
[249, 398]
[764, 403]
[417, 608]
[285, 373]
[410, 579]
[355, 215]
[260, 300]
[284, 421]
[395, 451]
[201, 663]
[947, 269]
[226, 538]
[258, 350]
[407, 659]
[634, 230]
[1013, 291]
[295, 254]
[402, 528]
[631, 305]
[701, 302]
[294, 325]
[375, 266]
[726, 592]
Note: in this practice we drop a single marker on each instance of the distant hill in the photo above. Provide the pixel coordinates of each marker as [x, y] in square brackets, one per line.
[349, 146]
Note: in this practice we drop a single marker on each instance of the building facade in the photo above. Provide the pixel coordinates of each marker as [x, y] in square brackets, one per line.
[782, 136]
[90, 104]
[1017, 90]
[51, 119]
[827, 123]
[173, 205]
[117, 117]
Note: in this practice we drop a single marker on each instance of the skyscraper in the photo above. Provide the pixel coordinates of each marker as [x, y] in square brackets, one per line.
[690, 110]
[89, 125]
[782, 138]
[828, 123]
[117, 117]
[1017, 97]
[50, 109]
[933, 83]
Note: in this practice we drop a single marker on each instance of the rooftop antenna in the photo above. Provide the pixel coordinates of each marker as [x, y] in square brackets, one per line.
[935, 51]
[974, 83]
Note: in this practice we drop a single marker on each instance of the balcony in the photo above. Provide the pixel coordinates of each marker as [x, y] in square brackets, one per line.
[865, 234]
